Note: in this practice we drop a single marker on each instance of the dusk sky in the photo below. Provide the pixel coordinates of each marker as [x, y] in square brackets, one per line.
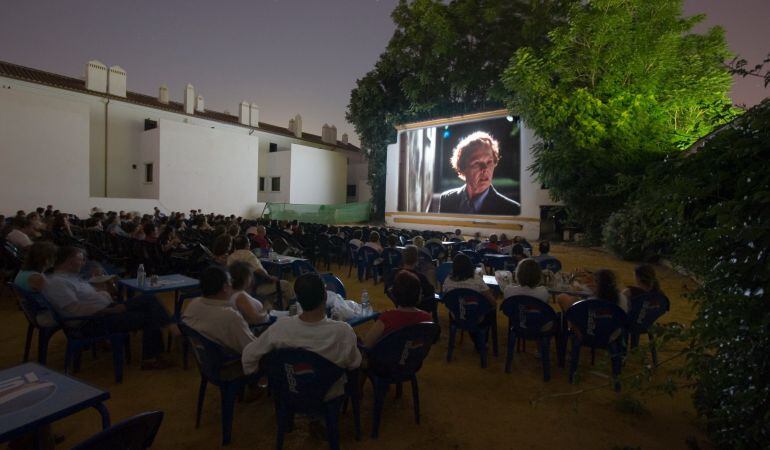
[288, 56]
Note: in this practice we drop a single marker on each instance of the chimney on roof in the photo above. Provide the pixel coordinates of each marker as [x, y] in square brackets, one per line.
[96, 76]
[344, 138]
[292, 125]
[333, 135]
[189, 99]
[298, 126]
[243, 113]
[325, 133]
[163, 94]
[199, 105]
[253, 115]
[117, 81]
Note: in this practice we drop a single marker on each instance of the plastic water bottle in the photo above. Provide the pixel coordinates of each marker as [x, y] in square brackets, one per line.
[365, 307]
[141, 275]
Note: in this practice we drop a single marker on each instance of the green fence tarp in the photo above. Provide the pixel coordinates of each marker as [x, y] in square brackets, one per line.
[328, 214]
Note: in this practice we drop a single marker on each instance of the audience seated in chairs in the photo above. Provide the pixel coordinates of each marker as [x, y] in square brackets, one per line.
[221, 248]
[646, 282]
[258, 237]
[374, 242]
[406, 293]
[21, 234]
[603, 286]
[311, 331]
[267, 285]
[72, 296]
[427, 300]
[250, 308]
[40, 258]
[214, 316]
[528, 277]
[463, 277]
[357, 234]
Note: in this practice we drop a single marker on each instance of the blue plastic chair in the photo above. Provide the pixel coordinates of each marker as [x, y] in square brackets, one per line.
[77, 340]
[333, 283]
[33, 309]
[469, 312]
[645, 310]
[299, 380]
[549, 263]
[596, 324]
[300, 267]
[497, 263]
[352, 257]
[436, 250]
[391, 260]
[443, 271]
[396, 358]
[532, 319]
[365, 261]
[135, 433]
[178, 303]
[474, 256]
[211, 358]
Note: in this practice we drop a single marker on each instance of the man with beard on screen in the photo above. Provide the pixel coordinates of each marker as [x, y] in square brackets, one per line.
[474, 159]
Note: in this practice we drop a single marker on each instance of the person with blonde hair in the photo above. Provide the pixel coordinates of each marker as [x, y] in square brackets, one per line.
[528, 277]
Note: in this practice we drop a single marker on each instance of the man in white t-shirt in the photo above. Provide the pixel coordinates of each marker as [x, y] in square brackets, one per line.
[20, 235]
[311, 331]
[214, 317]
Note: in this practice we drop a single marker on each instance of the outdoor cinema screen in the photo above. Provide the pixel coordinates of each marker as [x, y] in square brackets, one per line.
[461, 168]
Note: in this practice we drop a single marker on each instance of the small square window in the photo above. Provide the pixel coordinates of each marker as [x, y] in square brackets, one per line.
[273, 147]
[351, 190]
[148, 172]
[276, 184]
[261, 184]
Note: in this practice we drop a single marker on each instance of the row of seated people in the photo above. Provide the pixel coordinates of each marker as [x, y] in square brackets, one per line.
[58, 273]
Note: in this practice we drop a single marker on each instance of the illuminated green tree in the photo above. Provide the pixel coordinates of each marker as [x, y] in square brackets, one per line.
[620, 85]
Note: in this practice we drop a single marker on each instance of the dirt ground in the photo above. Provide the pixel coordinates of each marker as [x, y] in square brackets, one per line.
[463, 406]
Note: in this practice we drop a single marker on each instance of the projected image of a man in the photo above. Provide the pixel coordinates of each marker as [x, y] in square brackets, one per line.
[474, 159]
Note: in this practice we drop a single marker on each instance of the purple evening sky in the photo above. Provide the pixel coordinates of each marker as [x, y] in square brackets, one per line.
[289, 56]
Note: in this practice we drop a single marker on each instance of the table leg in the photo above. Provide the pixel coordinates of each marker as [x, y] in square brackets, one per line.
[105, 415]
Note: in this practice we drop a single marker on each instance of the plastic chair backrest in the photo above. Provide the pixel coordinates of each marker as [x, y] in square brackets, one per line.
[598, 322]
[301, 267]
[435, 249]
[467, 306]
[367, 255]
[333, 283]
[300, 378]
[443, 271]
[391, 257]
[32, 303]
[474, 256]
[645, 309]
[209, 355]
[400, 354]
[529, 316]
[549, 263]
[135, 433]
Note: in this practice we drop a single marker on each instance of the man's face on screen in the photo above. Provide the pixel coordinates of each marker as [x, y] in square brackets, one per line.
[479, 170]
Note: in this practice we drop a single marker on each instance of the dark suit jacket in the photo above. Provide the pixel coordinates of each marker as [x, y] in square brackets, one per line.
[494, 203]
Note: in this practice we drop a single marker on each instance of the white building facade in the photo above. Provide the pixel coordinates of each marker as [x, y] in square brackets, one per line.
[78, 143]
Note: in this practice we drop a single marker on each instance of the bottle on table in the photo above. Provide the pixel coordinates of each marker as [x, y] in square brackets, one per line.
[365, 307]
[141, 276]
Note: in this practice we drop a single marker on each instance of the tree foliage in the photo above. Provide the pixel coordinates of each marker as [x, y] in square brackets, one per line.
[443, 59]
[619, 86]
[712, 207]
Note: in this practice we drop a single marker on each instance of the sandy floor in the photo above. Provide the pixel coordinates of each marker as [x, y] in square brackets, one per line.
[463, 406]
